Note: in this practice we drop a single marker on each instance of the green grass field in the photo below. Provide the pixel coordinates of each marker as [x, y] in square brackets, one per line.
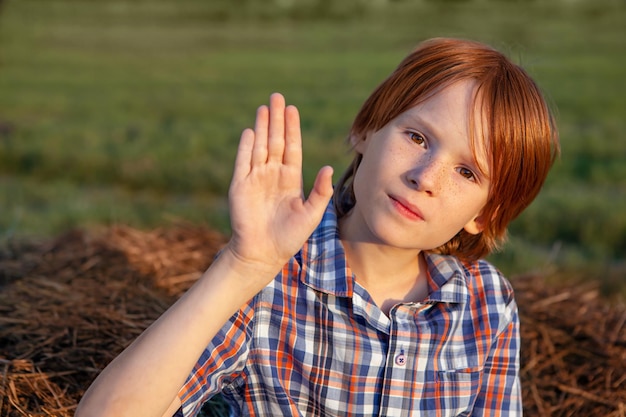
[130, 111]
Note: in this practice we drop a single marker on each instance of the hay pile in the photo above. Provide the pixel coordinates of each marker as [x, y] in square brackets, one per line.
[69, 305]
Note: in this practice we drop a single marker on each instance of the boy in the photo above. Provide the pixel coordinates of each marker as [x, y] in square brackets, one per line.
[377, 303]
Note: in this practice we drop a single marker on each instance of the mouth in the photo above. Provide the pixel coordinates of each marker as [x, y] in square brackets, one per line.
[406, 209]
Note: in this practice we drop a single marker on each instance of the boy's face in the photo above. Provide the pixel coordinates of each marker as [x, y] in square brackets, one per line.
[418, 183]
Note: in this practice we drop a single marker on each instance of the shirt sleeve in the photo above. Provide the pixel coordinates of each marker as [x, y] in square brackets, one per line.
[500, 394]
[221, 363]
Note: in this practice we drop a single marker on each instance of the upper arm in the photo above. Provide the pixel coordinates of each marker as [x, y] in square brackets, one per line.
[500, 394]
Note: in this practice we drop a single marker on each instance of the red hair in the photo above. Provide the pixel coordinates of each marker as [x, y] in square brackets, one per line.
[520, 135]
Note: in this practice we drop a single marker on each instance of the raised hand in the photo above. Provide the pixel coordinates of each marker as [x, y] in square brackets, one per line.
[270, 217]
[271, 220]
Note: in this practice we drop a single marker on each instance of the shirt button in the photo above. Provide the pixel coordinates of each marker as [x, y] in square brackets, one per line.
[400, 359]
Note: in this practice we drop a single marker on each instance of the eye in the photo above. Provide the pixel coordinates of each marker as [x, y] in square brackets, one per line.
[467, 174]
[417, 138]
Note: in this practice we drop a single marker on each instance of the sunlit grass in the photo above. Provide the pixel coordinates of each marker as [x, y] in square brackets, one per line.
[130, 112]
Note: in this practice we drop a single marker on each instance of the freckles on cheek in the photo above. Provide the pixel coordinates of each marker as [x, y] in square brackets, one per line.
[449, 186]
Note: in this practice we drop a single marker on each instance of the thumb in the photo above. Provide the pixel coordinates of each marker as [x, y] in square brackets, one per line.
[321, 193]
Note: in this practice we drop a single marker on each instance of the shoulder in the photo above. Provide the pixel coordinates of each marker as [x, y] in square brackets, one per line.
[491, 294]
[484, 277]
[448, 271]
[478, 285]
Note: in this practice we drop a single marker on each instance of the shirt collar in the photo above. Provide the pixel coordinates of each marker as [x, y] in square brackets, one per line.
[324, 266]
[448, 280]
[323, 260]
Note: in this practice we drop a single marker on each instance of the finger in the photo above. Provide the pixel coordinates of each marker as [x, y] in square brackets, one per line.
[259, 150]
[244, 155]
[276, 141]
[293, 138]
[321, 193]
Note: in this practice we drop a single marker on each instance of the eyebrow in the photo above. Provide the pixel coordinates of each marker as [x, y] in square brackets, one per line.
[407, 118]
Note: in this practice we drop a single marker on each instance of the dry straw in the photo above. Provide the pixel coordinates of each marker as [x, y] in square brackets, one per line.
[70, 305]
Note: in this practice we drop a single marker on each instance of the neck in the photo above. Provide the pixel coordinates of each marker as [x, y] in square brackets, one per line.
[390, 275]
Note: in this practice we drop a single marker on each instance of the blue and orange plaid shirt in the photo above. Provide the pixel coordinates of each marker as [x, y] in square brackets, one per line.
[314, 343]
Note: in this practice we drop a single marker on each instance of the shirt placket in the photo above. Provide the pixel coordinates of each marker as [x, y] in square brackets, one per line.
[401, 385]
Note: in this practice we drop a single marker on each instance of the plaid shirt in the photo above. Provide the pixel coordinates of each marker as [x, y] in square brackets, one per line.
[314, 343]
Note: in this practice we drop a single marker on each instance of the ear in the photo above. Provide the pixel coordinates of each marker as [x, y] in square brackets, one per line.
[358, 143]
[476, 225]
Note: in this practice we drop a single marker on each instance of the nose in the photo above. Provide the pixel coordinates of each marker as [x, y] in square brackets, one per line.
[426, 175]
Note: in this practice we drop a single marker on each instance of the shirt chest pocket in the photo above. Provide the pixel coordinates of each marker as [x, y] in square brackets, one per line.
[454, 380]
[452, 392]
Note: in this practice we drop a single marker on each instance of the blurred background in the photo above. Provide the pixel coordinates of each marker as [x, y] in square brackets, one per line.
[129, 111]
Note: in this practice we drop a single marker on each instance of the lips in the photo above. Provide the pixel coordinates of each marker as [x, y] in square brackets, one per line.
[406, 209]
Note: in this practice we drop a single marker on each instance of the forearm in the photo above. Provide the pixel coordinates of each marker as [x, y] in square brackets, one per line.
[147, 376]
[270, 222]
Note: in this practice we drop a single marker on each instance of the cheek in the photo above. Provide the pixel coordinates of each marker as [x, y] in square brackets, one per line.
[361, 178]
[467, 200]
[371, 168]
